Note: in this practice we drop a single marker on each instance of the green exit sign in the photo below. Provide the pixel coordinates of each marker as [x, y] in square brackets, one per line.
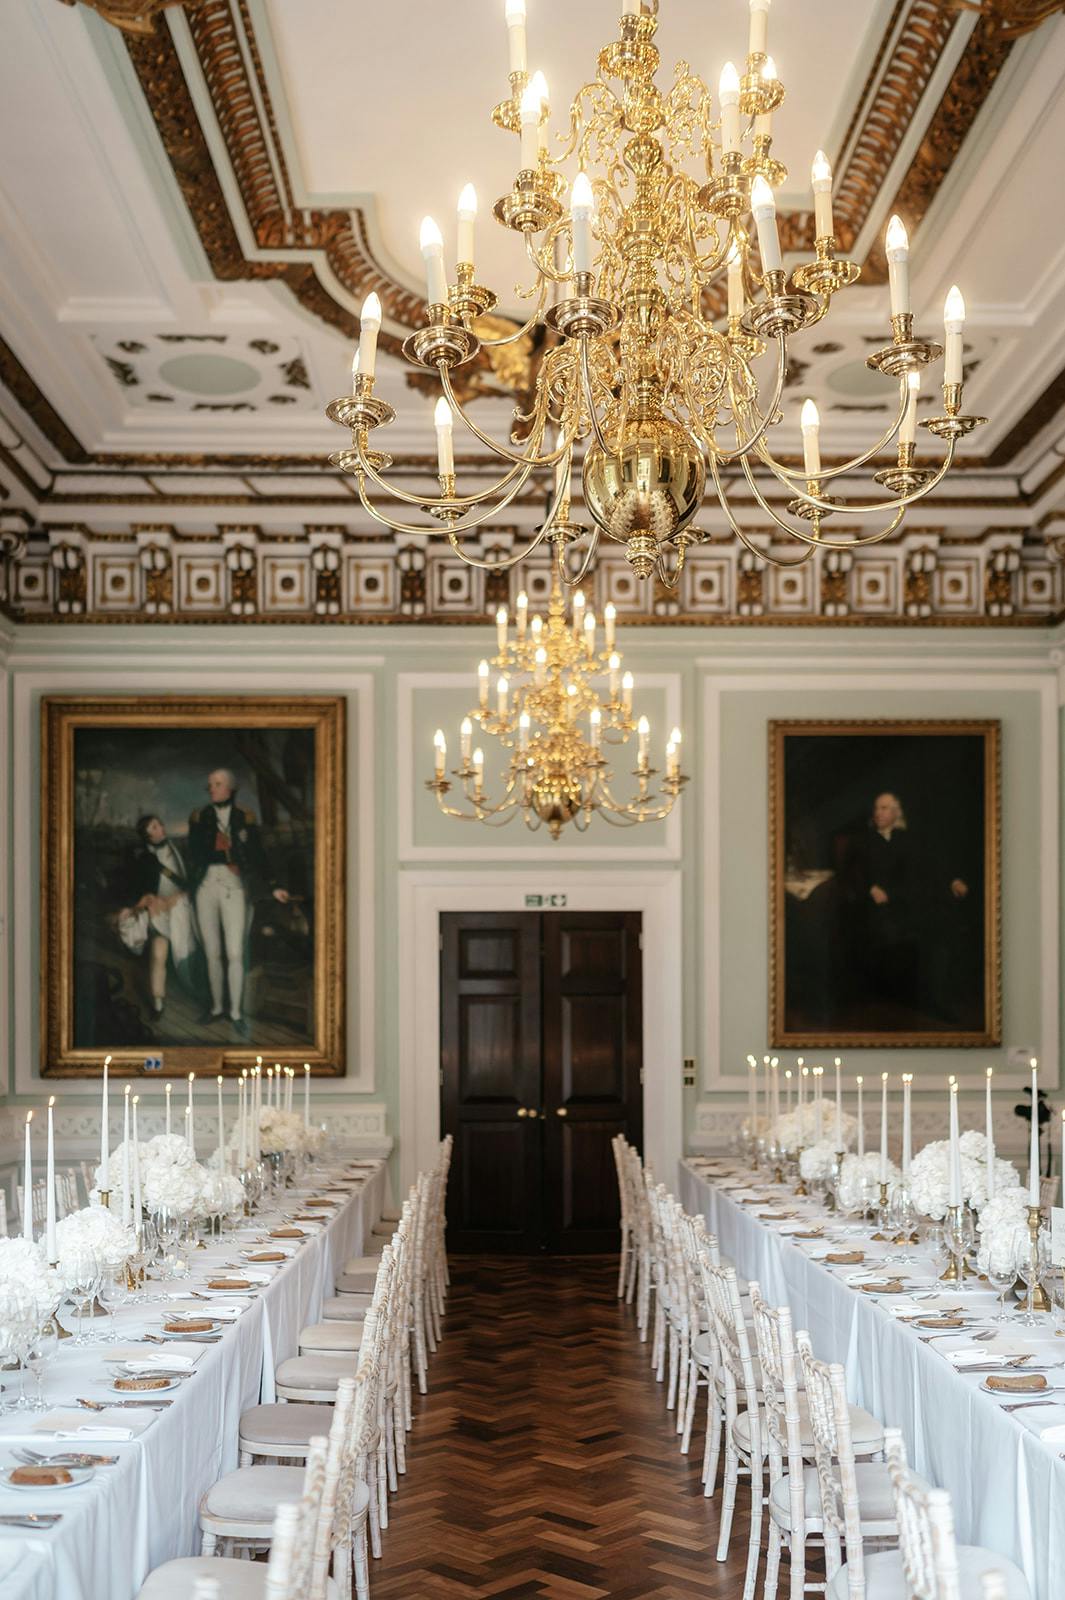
[545, 902]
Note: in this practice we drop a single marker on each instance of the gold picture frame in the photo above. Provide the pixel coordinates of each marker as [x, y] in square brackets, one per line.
[850, 963]
[111, 766]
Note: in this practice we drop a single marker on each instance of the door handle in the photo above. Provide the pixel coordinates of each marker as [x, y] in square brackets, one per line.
[522, 1111]
[561, 1111]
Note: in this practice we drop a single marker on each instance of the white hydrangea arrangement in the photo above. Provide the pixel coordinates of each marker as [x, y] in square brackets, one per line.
[860, 1178]
[95, 1229]
[817, 1161]
[222, 1195]
[930, 1175]
[171, 1177]
[797, 1129]
[29, 1289]
[1003, 1227]
[281, 1132]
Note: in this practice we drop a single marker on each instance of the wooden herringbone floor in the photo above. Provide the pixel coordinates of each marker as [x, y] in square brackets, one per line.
[542, 1461]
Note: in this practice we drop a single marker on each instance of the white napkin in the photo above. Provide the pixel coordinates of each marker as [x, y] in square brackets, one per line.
[999, 1348]
[107, 1425]
[178, 1353]
[900, 1306]
[197, 1308]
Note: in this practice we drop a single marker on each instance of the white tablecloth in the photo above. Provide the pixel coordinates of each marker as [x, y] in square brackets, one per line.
[1007, 1484]
[132, 1516]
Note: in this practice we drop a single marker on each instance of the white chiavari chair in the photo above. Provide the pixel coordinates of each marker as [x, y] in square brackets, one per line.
[238, 1511]
[853, 1502]
[782, 1432]
[1048, 1191]
[929, 1564]
[642, 1271]
[659, 1273]
[742, 1417]
[285, 1575]
[626, 1252]
[66, 1186]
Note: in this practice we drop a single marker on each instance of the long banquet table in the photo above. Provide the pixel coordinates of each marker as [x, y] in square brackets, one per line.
[1007, 1483]
[142, 1511]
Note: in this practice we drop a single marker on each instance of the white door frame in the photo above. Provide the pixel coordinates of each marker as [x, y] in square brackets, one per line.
[424, 895]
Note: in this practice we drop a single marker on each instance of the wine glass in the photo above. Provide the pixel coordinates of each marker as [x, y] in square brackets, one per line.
[1032, 1273]
[82, 1269]
[1001, 1280]
[43, 1346]
[114, 1292]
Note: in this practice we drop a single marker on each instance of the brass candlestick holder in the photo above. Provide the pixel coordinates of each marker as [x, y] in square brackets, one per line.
[800, 1187]
[105, 1197]
[1038, 1299]
[954, 1271]
[882, 1213]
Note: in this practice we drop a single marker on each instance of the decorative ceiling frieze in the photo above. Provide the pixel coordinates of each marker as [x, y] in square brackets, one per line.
[131, 16]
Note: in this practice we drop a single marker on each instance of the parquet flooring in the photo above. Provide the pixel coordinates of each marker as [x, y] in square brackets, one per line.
[543, 1461]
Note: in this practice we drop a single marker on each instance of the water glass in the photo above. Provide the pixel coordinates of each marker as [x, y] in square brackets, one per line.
[114, 1293]
[42, 1348]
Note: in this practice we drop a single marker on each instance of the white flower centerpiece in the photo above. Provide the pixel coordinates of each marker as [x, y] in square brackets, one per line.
[95, 1230]
[29, 1290]
[930, 1175]
[1003, 1228]
[797, 1129]
[859, 1181]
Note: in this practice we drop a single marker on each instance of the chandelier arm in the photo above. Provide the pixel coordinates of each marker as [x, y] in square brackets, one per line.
[586, 383]
[774, 561]
[498, 566]
[727, 457]
[458, 527]
[577, 122]
[848, 466]
[593, 545]
[511, 338]
[815, 539]
[548, 460]
[547, 274]
[423, 503]
[851, 510]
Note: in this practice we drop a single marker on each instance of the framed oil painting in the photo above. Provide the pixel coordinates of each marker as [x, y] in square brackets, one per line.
[192, 882]
[884, 883]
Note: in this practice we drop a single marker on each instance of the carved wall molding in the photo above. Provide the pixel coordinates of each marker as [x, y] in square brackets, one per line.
[245, 573]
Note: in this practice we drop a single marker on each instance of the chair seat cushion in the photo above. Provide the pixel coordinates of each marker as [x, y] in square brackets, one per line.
[383, 1229]
[390, 1214]
[704, 1350]
[867, 1433]
[315, 1372]
[886, 1580]
[175, 1580]
[293, 1424]
[875, 1499]
[345, 1308]
[332, 1336]
[357, 1264]
[252, 1494]
[356, 1282]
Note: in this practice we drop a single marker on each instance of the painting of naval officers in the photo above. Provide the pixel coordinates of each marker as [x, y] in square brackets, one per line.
[194, 881]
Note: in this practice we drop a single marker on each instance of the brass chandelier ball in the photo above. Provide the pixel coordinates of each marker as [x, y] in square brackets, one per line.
[648, 490]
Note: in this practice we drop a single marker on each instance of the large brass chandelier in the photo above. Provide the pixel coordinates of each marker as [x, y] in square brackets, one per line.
[546, 712]
[640, 371]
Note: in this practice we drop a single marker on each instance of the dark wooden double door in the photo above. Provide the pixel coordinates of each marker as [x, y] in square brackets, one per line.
[541, 1057]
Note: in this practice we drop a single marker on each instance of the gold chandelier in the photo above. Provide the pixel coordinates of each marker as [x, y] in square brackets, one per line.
[549, 716]
[659, 392]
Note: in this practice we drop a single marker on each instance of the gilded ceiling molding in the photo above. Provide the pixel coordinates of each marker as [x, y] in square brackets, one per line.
[1013, 18]
[132, 16]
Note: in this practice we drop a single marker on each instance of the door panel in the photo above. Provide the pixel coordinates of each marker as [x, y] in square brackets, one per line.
[490, 1070]
[540, 1054]
[593, 1046]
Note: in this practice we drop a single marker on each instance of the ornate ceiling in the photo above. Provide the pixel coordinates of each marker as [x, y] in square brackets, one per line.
[212, 188]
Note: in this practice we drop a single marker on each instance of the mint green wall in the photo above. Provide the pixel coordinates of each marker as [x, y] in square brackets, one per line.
[751, 675]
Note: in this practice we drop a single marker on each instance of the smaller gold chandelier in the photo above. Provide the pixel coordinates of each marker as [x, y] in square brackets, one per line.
[550, 718]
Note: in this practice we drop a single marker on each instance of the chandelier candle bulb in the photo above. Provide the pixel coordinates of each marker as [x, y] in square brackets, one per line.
[614, 665]
[522, 606]
[582, 204]
[523, 732]
[672, 764]
[445, 450]
[105, 1136]
[478, 771]
[536, 628]
[908, 426]
[483, 670]
[989, 1135]
[610, 617]
[465, 739]
[589, 634]
[810, 422]
[1033, 1138]
[530, 126]
[627, 685]
[502, 691]
[643, 729]
[540, 667]
[595, 719]
[578, 612]
[369, 328]
[27, 1184]
[883, 1127]
[759, 34]
[538, 84]
[736, 300]
[821, 180]
[898, 259]
[432, 248]
[467, 221]
[955, 1148]
[49, 1188]
[515, 16]
[728, 93]
[439, 752]
[861, 1125]
[765, 215]
[953, 327]
[501, 629]
[907, 1137]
